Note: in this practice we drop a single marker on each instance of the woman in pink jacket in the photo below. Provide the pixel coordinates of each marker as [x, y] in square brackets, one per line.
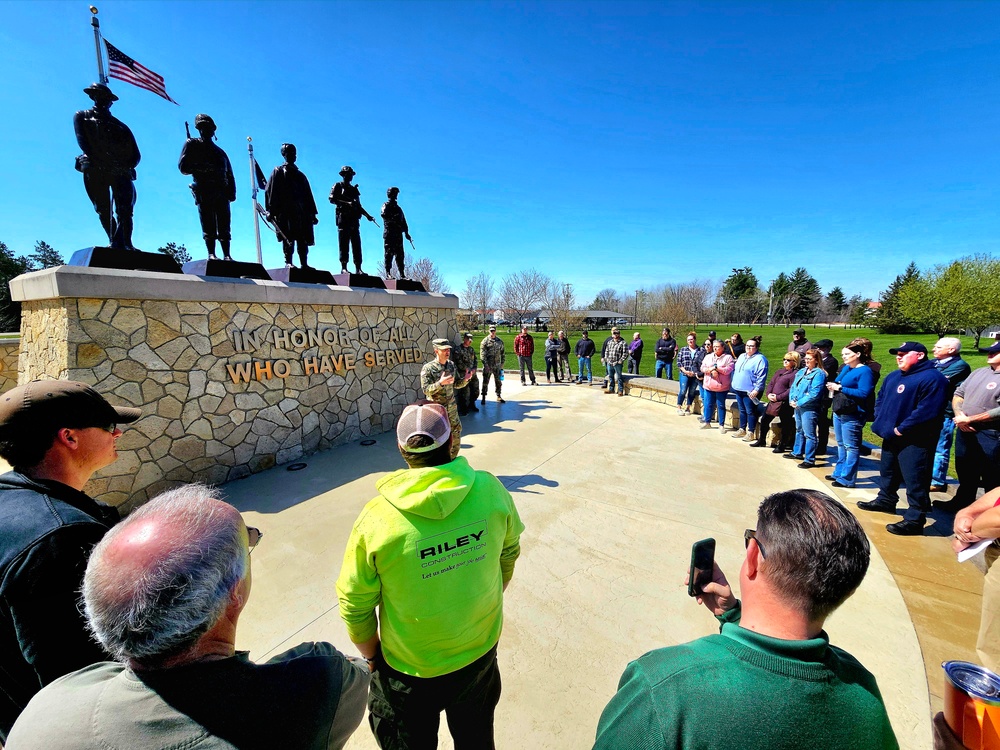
[718, 368]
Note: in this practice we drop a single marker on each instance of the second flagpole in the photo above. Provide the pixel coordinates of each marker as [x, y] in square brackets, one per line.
[97, 45]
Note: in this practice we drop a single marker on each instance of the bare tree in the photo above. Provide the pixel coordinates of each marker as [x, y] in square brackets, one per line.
[424, 271]
[521, 292]
[561, 302]
[478, 294]
[607, 299]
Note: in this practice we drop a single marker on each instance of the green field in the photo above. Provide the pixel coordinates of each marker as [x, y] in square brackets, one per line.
[773, 344]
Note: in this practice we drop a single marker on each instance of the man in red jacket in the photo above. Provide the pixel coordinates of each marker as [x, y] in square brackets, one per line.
[524, 347]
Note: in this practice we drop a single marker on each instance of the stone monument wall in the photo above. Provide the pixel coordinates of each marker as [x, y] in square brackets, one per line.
[227, 386]
[9, 352]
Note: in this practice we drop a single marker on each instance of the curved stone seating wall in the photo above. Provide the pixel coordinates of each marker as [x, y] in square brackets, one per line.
[233, 376]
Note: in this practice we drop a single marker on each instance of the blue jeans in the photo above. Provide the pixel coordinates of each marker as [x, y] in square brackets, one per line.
[615, 371]
[806, 421]
[748, 411]
[583, 363]
[942, 453]
[668, 366]
[688, 387]
[847, 429]
[714, 401]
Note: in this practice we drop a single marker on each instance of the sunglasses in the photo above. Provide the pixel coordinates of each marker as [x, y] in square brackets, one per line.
[752, 534]
[108, 427]
[255, 535]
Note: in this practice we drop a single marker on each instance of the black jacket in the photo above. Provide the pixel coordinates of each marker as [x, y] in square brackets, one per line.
[665, 349]
[49, 530]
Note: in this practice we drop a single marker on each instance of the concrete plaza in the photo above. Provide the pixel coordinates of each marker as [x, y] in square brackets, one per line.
[612, 491]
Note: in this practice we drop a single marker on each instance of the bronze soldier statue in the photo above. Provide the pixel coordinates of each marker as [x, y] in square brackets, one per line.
[289, 204]
[393, 229]
[214, 187]
[347, 198]
[110, 156]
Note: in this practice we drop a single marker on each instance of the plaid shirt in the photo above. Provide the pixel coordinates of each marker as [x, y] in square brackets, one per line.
[686, 359]
[524, 345]
[617, 351]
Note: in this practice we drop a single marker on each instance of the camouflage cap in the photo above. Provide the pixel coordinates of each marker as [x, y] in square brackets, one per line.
[441, 344]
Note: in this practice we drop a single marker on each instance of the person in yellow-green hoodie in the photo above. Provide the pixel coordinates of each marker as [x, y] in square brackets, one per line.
[433, 554]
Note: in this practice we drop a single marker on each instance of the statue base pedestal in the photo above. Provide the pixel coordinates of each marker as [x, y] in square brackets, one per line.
[302, 276]
[225, 269]
[359, 280]
[404, 285]
[124, 260]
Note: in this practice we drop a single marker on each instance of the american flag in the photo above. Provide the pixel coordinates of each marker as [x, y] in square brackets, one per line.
[124, 68]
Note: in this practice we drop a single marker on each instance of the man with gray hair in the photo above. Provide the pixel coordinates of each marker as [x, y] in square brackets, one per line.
[163, 594]
[948, 360]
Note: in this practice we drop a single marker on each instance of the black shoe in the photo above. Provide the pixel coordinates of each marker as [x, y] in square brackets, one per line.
[462, 413]
[794, 457]
[807, 464]
[830, 478]
[758, 444]
[837, 483]
[875, 505]
[906, 528]
[949, 506]
[473, 408]
[778, 449]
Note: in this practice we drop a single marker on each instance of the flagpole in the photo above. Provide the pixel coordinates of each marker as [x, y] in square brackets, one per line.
[97, 45]
[256, 218]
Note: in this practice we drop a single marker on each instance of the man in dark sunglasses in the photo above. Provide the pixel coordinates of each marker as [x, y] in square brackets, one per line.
[55, 434]
[771, 664]
[163, 593]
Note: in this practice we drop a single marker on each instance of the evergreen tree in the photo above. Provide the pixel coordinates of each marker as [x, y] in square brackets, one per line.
[837, 300]
[177, 252]
[10, 266]
[45, 256]
[890, 317]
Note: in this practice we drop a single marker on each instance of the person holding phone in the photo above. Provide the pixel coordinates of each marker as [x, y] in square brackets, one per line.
[807, 555]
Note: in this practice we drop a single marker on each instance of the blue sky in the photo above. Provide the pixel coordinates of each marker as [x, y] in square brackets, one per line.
[604, 144]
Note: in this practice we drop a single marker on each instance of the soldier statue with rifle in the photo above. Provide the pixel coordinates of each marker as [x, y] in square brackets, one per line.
[347, 198]
[289, 203]
[394, 228]
[214, 187]
[110, 156]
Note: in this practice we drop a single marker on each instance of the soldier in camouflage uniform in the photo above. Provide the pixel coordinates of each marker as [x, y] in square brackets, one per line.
[439, 381]
[492, 355]
[464, 358]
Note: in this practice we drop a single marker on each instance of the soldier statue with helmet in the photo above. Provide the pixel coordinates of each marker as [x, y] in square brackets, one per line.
[214, 186]
[110, 156]
[393, 229]
[347, 198]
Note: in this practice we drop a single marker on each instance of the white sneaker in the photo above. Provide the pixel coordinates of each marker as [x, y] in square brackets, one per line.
[681, 413]
[722, 429]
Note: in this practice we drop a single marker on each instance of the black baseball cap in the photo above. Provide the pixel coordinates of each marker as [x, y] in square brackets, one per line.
[909, 346]
[61, 402]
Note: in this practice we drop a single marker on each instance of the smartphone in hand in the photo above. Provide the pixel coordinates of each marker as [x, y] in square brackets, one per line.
[702, 565]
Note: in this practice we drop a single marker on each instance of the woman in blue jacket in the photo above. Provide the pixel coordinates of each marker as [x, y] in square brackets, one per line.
[806, 398]
[749, 379]
[851, 391]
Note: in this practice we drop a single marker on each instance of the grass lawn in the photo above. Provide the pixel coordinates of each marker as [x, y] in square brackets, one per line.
[773, 344]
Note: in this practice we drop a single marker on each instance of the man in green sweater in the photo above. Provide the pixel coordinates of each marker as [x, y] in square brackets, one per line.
[432, 554]
[770, 680]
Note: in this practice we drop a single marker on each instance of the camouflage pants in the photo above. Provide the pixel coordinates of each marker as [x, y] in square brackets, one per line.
[466, 397]
[456, 429]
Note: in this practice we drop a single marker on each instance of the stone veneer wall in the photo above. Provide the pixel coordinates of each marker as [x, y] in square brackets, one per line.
[9, 350]
[210, 376]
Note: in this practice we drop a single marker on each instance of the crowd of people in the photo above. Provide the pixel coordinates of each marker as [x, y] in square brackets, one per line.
[147, 656]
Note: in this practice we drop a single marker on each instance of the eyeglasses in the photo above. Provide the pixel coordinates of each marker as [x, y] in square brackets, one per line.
[255, 535]
[752, 534]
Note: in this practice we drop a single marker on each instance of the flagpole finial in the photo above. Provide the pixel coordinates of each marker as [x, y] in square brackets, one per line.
[93, 9]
